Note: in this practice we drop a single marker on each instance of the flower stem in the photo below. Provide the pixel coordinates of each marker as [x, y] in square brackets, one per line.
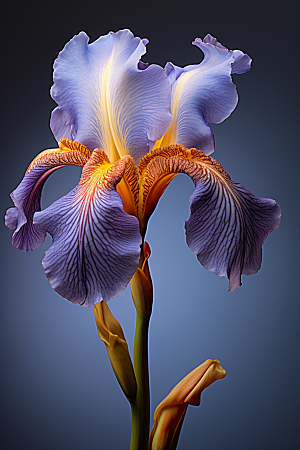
[142, 295]
[140, 408]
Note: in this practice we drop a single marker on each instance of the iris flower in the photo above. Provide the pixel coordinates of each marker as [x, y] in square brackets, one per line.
[132, 127]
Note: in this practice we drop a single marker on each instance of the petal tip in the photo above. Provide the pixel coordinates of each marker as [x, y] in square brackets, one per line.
[11, 219]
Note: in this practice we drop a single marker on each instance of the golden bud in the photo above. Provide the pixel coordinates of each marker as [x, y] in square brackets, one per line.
[111, 333]
[170, 413]
[141, 287]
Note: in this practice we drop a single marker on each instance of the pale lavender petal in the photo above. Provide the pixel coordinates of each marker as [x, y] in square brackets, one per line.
[173, 72]
[228, 226]
[62, 124]
[203, 94]
[105, 100]
[96, 245]
[209, 39]
[242, 62]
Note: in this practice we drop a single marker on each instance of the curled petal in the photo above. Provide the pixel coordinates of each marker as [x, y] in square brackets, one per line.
[96, 245]
[203, 94]
[155, 175]
[170, 413]
[242, 62]
[27, 196]
[107, 98]
[227, 225]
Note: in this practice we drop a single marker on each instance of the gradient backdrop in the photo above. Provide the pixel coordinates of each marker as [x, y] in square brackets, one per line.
[57, 388]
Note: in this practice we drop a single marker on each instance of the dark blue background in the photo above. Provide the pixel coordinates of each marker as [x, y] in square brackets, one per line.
[57, 388]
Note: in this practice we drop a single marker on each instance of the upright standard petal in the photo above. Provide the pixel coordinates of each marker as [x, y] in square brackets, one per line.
[96, 244]
[107, 99]
[203, 94]
[227, 225]
[27, 196]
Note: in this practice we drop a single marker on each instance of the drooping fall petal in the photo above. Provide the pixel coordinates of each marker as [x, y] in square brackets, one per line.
[170, 413]
[111, 103]
[227, 225]
[27, 196]
[96, 245]
[111, 333]
[203, 94]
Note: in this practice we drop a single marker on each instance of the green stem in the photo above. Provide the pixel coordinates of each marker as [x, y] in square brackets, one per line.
[142, 295]
[140, 408]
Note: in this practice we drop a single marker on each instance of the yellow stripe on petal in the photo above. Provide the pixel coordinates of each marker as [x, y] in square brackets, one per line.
[158, 144]
[170, 137]
[105, 100]
[106, 117]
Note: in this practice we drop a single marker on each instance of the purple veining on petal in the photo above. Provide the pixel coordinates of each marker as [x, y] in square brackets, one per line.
[95, 249]
[228, 226]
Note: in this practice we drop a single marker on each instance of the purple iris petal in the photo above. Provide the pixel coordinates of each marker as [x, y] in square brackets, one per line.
[27, 196]
[242, 62]
[204, 93]
[227, 224]
[11, 218]
[227, 227]
[105, 100]
[96, 245]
